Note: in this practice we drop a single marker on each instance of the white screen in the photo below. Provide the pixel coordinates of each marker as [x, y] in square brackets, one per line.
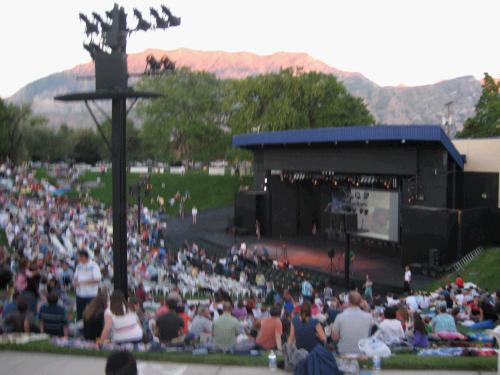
[378, 213]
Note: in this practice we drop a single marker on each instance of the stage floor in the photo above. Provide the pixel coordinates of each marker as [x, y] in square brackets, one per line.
[310, 252]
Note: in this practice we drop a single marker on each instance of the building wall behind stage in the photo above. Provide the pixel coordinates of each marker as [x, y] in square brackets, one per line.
[482, 155]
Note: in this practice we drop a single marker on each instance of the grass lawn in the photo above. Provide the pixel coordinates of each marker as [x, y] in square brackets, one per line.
[205, 191]
[400, 361]
[414, 362]
[482, 271]
[43, 173]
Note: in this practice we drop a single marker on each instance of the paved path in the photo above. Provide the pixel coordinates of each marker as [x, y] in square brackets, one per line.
[20, 363]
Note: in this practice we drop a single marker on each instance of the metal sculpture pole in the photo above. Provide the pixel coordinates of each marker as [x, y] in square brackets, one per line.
[111, 78]
[119, 171]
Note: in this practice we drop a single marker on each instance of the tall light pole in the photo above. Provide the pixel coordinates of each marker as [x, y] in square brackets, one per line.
[107, 45]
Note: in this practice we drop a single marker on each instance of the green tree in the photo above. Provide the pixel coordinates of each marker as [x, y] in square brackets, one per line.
[135, 148]
[15, 122]
[88, 147]
[292, 100]
[486, 121]
[187, 122]
[48, 144]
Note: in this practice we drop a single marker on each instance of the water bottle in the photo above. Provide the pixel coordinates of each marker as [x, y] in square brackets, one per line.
[272, 361]
[376, 364]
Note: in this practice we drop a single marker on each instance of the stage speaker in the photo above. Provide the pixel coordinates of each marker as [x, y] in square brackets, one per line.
[331, 253]
[434, 258]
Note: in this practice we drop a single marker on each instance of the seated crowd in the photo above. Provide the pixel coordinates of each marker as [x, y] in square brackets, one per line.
[57, 247]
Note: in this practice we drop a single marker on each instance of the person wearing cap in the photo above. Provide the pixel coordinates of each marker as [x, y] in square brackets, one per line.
[86, 281]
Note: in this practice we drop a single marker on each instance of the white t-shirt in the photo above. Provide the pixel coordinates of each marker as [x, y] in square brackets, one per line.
[412, 303]
[125, 328]
[86, 272]
[407, 276]
[390, 331]
[194, 211]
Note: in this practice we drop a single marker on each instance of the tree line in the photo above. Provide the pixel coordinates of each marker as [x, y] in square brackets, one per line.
[197, 115]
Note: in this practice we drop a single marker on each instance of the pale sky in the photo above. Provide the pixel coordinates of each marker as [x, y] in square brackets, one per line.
[410, 42]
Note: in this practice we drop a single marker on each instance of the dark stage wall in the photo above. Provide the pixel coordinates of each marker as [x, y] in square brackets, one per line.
[355, 160]
[453, 232]
[426, 228]
[245, 210]
[296, 207]
[284, 208]
[478, 189]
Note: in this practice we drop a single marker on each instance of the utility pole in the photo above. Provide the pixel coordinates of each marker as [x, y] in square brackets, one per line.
[448, 117]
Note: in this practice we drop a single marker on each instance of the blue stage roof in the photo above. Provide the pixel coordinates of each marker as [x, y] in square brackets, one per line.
[419, 133]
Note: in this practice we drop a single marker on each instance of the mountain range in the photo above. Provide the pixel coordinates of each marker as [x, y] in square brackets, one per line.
[390, 105]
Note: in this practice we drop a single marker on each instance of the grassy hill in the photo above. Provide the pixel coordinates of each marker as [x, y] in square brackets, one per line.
[482, 271]
[205, 191]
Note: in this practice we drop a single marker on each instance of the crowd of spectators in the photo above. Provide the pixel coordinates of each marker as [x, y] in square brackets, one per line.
[57, 247]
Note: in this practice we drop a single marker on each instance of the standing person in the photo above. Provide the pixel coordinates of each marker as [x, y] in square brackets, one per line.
[194, 213]
[407, 279]
[181, 207]
[307, 291]
[86, 281]
[368, 289]
[352, 257]
[257, 229]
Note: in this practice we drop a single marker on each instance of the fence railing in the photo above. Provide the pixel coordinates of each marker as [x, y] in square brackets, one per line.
[461, 263]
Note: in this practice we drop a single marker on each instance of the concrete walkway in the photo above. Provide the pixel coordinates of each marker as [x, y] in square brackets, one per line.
[19, 363]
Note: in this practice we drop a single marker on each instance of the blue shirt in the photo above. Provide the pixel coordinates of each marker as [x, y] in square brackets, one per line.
[8, 308]
[305, 333]
[54, 319]
[444, 323]
[307, 289]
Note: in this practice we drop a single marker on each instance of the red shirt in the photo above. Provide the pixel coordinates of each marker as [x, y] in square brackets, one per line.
[185, 318]
[459, 282]
[269, 327]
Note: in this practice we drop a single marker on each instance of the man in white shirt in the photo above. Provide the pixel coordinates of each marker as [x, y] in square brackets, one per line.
[86, 281]
[194, 213]
[407, 279]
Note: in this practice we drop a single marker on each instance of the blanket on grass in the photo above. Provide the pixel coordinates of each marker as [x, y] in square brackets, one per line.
[458, 352]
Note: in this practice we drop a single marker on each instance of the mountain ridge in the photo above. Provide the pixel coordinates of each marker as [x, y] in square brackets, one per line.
[389, 104]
